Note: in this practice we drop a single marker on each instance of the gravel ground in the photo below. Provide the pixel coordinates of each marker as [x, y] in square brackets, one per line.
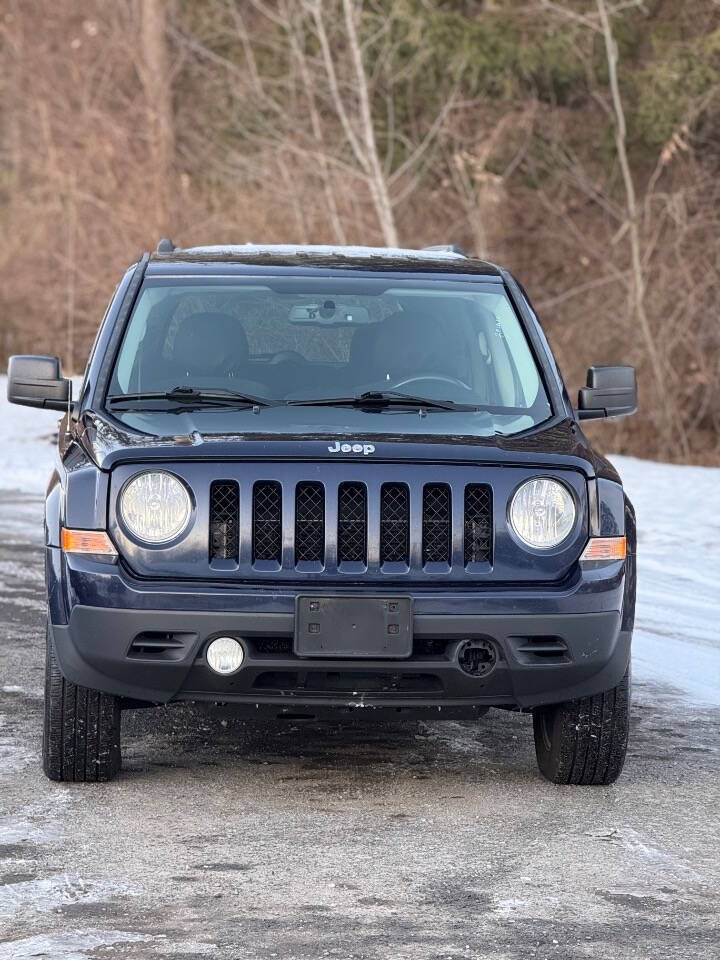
[246, 840]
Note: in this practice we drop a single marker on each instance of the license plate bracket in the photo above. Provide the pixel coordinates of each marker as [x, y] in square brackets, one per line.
[362, 627]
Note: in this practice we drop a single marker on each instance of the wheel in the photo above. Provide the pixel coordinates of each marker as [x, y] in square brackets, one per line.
[81, 735]
[584, 741]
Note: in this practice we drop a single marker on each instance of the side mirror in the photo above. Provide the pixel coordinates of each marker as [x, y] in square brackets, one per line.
[38, 382]
[610, 392]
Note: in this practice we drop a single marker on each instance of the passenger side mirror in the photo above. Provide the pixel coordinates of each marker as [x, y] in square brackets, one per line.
[610, 392]
[38, 382]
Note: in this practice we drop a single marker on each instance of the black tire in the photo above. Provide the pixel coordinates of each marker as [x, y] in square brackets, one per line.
[584, 741]
[81, 735]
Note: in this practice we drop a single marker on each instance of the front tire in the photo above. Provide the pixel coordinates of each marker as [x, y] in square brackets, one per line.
[81, 735]
[584, 741]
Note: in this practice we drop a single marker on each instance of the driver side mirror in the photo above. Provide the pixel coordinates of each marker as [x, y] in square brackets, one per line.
[610, 392]
[38, 382]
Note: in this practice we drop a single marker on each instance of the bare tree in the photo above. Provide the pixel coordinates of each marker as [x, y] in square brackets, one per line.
[154, 72]
[367, 154]
[480, 190]
[637, 287]
[628, 213]
[71, 217]
[324, 113]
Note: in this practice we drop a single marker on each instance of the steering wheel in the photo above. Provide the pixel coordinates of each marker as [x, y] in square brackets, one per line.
[433, 376]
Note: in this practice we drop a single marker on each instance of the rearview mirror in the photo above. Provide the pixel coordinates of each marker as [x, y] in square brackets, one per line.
[38, 382]
[610, 392]
[329, 314]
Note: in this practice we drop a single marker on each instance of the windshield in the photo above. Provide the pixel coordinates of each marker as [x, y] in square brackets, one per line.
[295, 340]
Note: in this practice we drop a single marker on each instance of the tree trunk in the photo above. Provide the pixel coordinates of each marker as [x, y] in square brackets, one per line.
[155, 74]
[637, 284]
[376, 176]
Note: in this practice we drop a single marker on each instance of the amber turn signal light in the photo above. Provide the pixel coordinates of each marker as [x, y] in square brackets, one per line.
[605, 548]
[87, 541]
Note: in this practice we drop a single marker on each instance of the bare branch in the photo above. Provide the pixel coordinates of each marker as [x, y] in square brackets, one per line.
[378, 183]
[638, 287]
[337, 99]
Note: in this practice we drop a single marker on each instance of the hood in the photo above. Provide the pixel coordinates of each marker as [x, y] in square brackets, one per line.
[321, 433]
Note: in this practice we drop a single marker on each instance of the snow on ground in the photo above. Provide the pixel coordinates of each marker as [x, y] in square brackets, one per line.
[677, 638]
[677, 628]
[27, 436]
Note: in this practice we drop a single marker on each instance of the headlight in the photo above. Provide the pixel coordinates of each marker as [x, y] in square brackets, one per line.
[155, 507]
[542, 513]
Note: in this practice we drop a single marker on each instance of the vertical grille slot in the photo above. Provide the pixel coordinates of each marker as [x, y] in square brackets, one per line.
[352, 523]
[394, 523]
[478, 523]
[437, 522]
[224, 520]
[309, 523]
[267, 521]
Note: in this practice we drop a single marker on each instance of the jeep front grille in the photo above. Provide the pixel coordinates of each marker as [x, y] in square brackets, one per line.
[478, 523]
[309, 523]
[394, 523]
[352, 523]
[267, 521]
[306, 521]
[437, 523]
[224, 520]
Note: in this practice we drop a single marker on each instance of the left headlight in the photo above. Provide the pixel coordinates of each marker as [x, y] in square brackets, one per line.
[542, 513]
[155, 507]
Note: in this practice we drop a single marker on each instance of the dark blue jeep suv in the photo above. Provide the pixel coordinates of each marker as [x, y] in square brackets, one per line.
[308, 477]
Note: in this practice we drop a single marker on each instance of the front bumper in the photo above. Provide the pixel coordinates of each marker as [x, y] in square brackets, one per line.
[552, 644]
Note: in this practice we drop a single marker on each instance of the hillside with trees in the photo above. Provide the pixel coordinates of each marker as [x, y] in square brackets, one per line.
[575, 141]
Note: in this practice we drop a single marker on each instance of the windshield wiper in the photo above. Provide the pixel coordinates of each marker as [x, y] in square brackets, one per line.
[193, 397]
[383, 398]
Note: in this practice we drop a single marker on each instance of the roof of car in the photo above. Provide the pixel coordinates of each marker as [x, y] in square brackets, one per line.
[385, 259]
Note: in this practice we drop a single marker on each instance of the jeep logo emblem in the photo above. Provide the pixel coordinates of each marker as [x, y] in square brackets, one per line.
[363, 448]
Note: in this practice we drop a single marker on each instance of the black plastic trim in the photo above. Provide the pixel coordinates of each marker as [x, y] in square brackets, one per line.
[118, 331]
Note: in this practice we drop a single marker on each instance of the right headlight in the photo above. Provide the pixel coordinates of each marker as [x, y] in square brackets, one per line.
[155, 507]
[542, 513]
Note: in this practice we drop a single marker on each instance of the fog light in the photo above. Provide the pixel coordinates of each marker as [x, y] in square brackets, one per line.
[225, 655]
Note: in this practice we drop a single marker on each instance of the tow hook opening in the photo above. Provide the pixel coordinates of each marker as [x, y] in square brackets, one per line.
[477, 657]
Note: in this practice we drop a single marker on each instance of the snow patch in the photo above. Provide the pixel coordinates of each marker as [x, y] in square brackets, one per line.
[51, 893]
[662, 860]
[14, 830]
[319, 250]
[676, 642]
[13, 757]
[28, 436]
[68, 945]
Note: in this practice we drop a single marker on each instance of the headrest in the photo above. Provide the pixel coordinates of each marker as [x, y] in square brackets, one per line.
[207, 341]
